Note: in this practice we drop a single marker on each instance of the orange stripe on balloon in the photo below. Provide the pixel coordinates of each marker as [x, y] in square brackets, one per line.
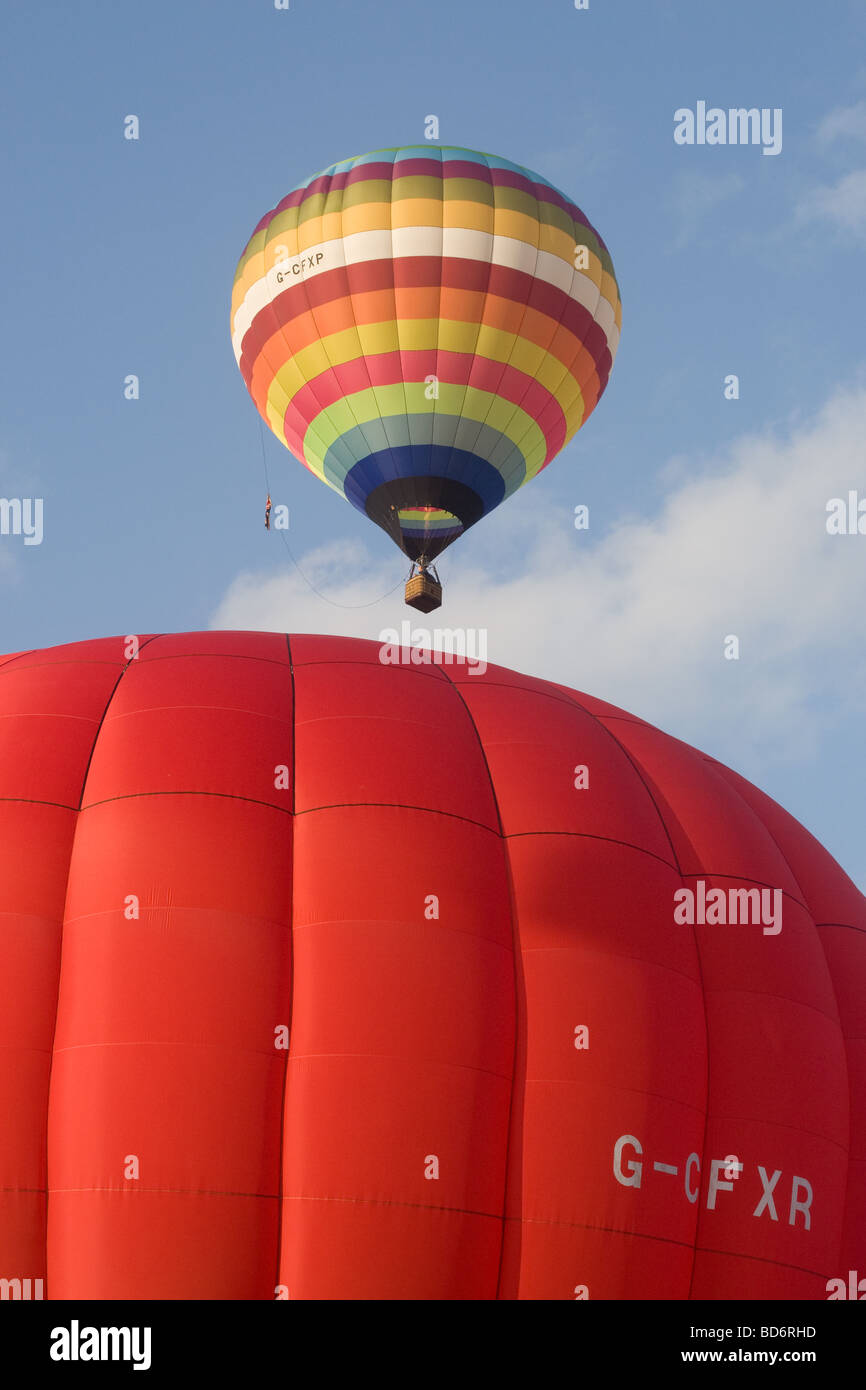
[498, 313]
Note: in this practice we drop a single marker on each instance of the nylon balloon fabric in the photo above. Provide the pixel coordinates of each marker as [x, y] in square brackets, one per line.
[425, 328]
[280, 1017]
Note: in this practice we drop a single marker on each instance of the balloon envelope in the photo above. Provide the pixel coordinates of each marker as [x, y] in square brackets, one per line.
[282, 1007]
[425, 328]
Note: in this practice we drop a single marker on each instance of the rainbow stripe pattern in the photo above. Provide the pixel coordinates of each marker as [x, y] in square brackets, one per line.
[425, 328]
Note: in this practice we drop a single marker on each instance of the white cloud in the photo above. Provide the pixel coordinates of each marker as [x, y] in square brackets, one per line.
[843, 203]
[844, 122]
[637, 612]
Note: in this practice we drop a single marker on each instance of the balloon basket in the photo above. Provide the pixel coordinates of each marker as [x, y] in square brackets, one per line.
[423, 593]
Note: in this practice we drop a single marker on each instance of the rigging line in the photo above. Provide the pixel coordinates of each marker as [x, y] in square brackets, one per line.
[310, 585]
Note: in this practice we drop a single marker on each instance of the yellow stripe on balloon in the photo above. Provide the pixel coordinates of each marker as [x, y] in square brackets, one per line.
[331, 227]
[415, 212]
[374, 338]
[494, 344]
[449, 335]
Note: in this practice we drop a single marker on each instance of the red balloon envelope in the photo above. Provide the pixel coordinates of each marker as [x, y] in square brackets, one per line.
[329, 978]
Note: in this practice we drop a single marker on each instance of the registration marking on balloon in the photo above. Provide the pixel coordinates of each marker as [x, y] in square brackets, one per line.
[628, 1171]
[297, 268]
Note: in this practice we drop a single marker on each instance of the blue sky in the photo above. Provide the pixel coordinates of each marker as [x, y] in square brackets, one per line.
[707, 515]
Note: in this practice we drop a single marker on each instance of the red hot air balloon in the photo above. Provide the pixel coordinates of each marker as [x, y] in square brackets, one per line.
[281, 1016]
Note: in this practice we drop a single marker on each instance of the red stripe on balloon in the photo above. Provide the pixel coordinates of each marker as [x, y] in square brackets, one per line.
[452, 272]
[451, 368]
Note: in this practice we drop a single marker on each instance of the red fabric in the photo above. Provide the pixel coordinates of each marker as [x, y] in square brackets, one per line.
[234, 833]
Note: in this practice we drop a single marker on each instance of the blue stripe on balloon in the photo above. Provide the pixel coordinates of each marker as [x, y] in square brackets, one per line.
[424, 461]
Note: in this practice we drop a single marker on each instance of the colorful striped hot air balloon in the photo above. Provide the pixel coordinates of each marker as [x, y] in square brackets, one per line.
[425, 328]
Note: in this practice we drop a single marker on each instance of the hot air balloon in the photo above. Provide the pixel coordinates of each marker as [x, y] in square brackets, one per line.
[425, 328]
[280, 1017]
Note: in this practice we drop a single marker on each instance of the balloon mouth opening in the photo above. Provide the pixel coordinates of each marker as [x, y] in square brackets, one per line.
[427, 529]
[423, 515]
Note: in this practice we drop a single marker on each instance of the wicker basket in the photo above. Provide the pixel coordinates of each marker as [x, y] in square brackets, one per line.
[423, 593]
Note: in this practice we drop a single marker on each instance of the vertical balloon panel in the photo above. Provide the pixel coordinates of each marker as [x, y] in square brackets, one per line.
[52, 703]
[166, 1086]
[774, 1160]
[399, 1082]
[838, 909]
[611, 1069]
